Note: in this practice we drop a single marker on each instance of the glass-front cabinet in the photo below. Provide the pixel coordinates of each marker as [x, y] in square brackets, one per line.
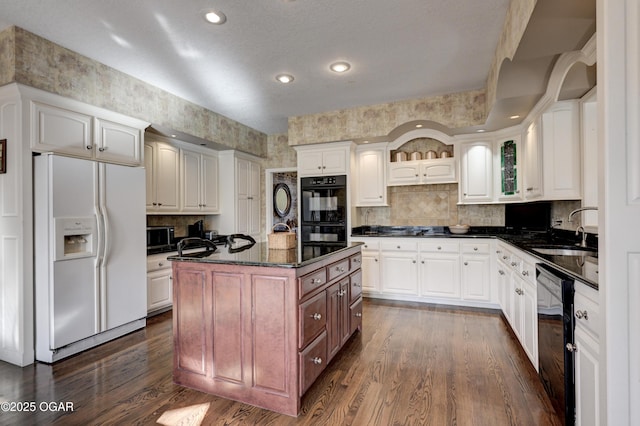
[509, 173]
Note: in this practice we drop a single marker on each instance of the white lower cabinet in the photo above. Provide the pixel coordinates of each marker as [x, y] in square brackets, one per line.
[159, 283]
[399, 263]
[476, 271]
[587, 356]
[440, 269]
[428, 269]
[371, 267]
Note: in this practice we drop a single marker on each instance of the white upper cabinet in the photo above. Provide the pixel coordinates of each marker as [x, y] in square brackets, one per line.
[162, 168]
[476, 172]
[532, 162]
[331, 159]
[371, 182]
[117, 143]
[440, 170]
[561, 152]
[199, 182]
[68, 127]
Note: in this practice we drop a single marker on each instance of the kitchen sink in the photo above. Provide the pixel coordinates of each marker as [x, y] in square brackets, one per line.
[566, 251]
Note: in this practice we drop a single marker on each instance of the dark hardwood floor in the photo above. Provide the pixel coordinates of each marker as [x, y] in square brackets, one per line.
[413, 364]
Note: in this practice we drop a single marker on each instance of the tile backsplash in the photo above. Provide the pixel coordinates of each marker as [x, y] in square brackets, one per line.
[437, 205]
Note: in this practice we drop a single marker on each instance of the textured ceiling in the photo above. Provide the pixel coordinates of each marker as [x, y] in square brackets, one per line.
[402, 49]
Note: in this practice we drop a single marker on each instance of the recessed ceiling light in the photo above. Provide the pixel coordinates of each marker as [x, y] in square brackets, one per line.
[215, 17]
[284, 78]
[173, 136]
[480, 131]
[418, 126]
[340, 67]
[365, 141]
[513, 117]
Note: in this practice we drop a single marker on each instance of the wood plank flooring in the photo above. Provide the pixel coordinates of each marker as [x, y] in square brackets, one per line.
[413, 364]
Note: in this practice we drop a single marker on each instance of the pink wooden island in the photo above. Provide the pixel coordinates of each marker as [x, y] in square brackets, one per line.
[259, 326]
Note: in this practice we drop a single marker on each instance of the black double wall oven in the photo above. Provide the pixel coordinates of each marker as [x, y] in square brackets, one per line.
[324, 210]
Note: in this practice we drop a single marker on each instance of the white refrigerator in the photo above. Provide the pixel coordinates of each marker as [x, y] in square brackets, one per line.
[90, 254]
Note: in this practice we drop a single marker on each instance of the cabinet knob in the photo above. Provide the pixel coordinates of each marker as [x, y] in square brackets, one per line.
[316, 281]
[317, 360]
[375, 260]
[89, 147]
[466, 263]
[414, 261]
[356, 260]
[160, 264]
[439, 248]
[103, 148]
[475, 249]
[417, 175]
[582, 315]
[316, 316]
[514, 264]
[525, 273]
[324, 167]
[571, 347]
[380, 196]
[339, 269]
[358, 314]
[398, 247]
[319, 167]
[357, 284]
[530, 188]
[423, 262]
[505, 257]
[498, 251]
[501, 272]
[465, 194]
[519, 291]
[366, 246]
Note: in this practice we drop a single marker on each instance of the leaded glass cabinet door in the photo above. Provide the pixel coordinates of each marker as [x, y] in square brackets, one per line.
[509, 169]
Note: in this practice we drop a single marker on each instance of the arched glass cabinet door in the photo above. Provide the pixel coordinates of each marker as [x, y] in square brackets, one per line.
[282, 199]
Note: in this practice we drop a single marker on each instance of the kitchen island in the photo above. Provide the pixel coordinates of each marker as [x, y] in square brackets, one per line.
[259, 326]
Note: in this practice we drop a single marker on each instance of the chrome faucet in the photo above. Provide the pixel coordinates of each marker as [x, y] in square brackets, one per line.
[583, 243]
[580, 210]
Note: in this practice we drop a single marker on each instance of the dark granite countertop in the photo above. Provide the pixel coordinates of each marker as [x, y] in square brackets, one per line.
[259, 254]
[579, 267]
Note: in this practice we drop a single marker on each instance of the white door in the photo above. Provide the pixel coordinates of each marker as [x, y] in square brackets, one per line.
[190, 182]
[399, 273]
[439, 275]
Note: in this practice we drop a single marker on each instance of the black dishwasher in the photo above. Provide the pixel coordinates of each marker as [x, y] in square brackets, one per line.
[556, 345]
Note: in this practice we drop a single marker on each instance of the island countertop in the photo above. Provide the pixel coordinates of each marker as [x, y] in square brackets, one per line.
[259, 254]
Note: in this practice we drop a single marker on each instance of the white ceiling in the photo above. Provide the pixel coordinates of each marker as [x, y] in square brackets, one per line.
[399, 49]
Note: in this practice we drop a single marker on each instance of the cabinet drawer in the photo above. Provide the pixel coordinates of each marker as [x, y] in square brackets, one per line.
[356, 285]
[399, 246]
[313, 318]
[355, 311]
[312, 361]
[312, 281]
[338, 269]
[355, 262]
[371, 245]
[586, 308]
[157, 262]
[473, 248]
[440, 247]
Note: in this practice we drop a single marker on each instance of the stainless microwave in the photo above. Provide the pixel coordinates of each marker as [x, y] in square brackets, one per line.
[160, 236]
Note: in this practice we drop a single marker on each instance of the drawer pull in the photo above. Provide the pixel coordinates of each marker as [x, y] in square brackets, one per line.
[339, 269]
[317, 360]
[358, 314]
[316, 281]
[525, 273]
[514, 263]
[316, 316]
[582, 315]
[505, 257]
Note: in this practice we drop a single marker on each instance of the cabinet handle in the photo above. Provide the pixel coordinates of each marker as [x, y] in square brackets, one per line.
[317, 360]
[519, 291]
[466, 263]
[339, 269]
[160, 264]
[375, 260]
[89, 147]
[398, 247]
[530, 188]
[582, 315]
[505, 257]
[379, 196]
[422, 262]
[414, 261]
[498, 251]
[366, 246]
[356, 260]
[341, 293]
[572, 347]
[475, 249]
[316, 316]
[103, 148]
[319, 167]
[316, 281]
[357, 284]
[501, 272]
[417, 175]
[324, 167]
[465, 194]
[439, 248]
[358, 314]
[514, 263]
[525, 273]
